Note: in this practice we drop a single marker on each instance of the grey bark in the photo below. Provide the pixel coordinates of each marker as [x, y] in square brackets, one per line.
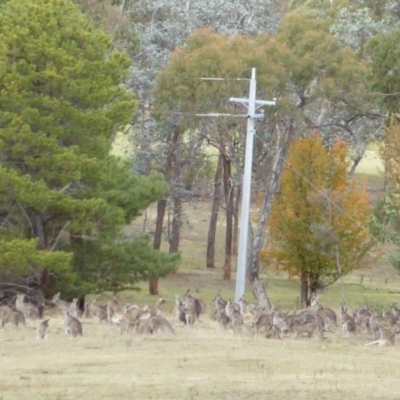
[282, 148]
[238, 198]
[174, 237]
[212, 229]
[229, 217]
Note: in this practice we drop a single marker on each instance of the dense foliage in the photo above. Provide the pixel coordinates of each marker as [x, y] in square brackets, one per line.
[65, 199]
[386, 218]
[318, 223]
[63, 97]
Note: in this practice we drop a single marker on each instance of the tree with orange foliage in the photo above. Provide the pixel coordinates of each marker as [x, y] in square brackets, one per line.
[318, 223]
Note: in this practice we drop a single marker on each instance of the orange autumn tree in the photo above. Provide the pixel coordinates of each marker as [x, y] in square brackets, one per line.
[318, 223]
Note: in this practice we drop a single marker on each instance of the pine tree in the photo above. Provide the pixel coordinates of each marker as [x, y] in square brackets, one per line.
[62, 100]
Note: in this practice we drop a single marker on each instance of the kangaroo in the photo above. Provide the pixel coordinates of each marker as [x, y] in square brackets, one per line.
[313, 328]
[132, 315]
[219, 301]
[99, 310]
[303, 318]
[179, 310]
[348, 323]
[62, 305]
[42, 329]
[386, 339]
[389, 318]
[192, 307]
[5, 313]
[113, 307]
[328, 315]
[279, 322]
[395, 310]
[16, 318]
[374, 326]
[29, 310]
[248, 308]
[362, 317]
[220, 312]
[87, 313]
[263, 320]
[154, 324]
[74, 309]
[223, 319]
[72, 325]
[231, 307]
[157, 308]
[232, 310]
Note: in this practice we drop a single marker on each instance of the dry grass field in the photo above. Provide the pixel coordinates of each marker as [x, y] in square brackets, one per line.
[202, 362]
[205, 362]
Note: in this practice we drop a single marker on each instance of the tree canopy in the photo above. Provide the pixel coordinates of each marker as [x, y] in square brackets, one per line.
[65, 199]
[319, 222]
[385, 223]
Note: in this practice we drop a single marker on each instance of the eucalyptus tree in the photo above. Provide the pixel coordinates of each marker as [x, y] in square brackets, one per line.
[180, 87]
[358, 117]
[352, 112]
[304, 67]
[114, 18]
[161, 27]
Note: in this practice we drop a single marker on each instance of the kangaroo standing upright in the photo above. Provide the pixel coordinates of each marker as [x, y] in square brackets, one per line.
[42, 329]
[73, 326]
[348, 323]
[62, 305]
[29, 310]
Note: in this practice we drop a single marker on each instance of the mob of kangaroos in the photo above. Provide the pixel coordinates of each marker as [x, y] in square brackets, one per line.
[312, 323]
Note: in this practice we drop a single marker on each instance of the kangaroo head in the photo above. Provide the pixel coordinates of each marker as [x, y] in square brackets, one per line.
[160, 302]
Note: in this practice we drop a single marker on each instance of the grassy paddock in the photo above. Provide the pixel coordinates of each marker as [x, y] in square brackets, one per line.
[202, 362]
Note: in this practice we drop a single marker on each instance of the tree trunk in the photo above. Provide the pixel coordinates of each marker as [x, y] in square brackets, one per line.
[161, 207]
[313, 287]
[144, 156]
[238, 199]
[304, 291]
[356, 161]
[259, 293]
[229, 217]
[212, 229]
[153, 286]
[40, 231]
[174, 236]
[176, 225]
[272, 186]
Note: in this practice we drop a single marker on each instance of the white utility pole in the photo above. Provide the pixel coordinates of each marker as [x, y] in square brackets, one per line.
[252, 106]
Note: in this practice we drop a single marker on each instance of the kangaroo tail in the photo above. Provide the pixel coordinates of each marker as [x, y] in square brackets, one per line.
[168, 325]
